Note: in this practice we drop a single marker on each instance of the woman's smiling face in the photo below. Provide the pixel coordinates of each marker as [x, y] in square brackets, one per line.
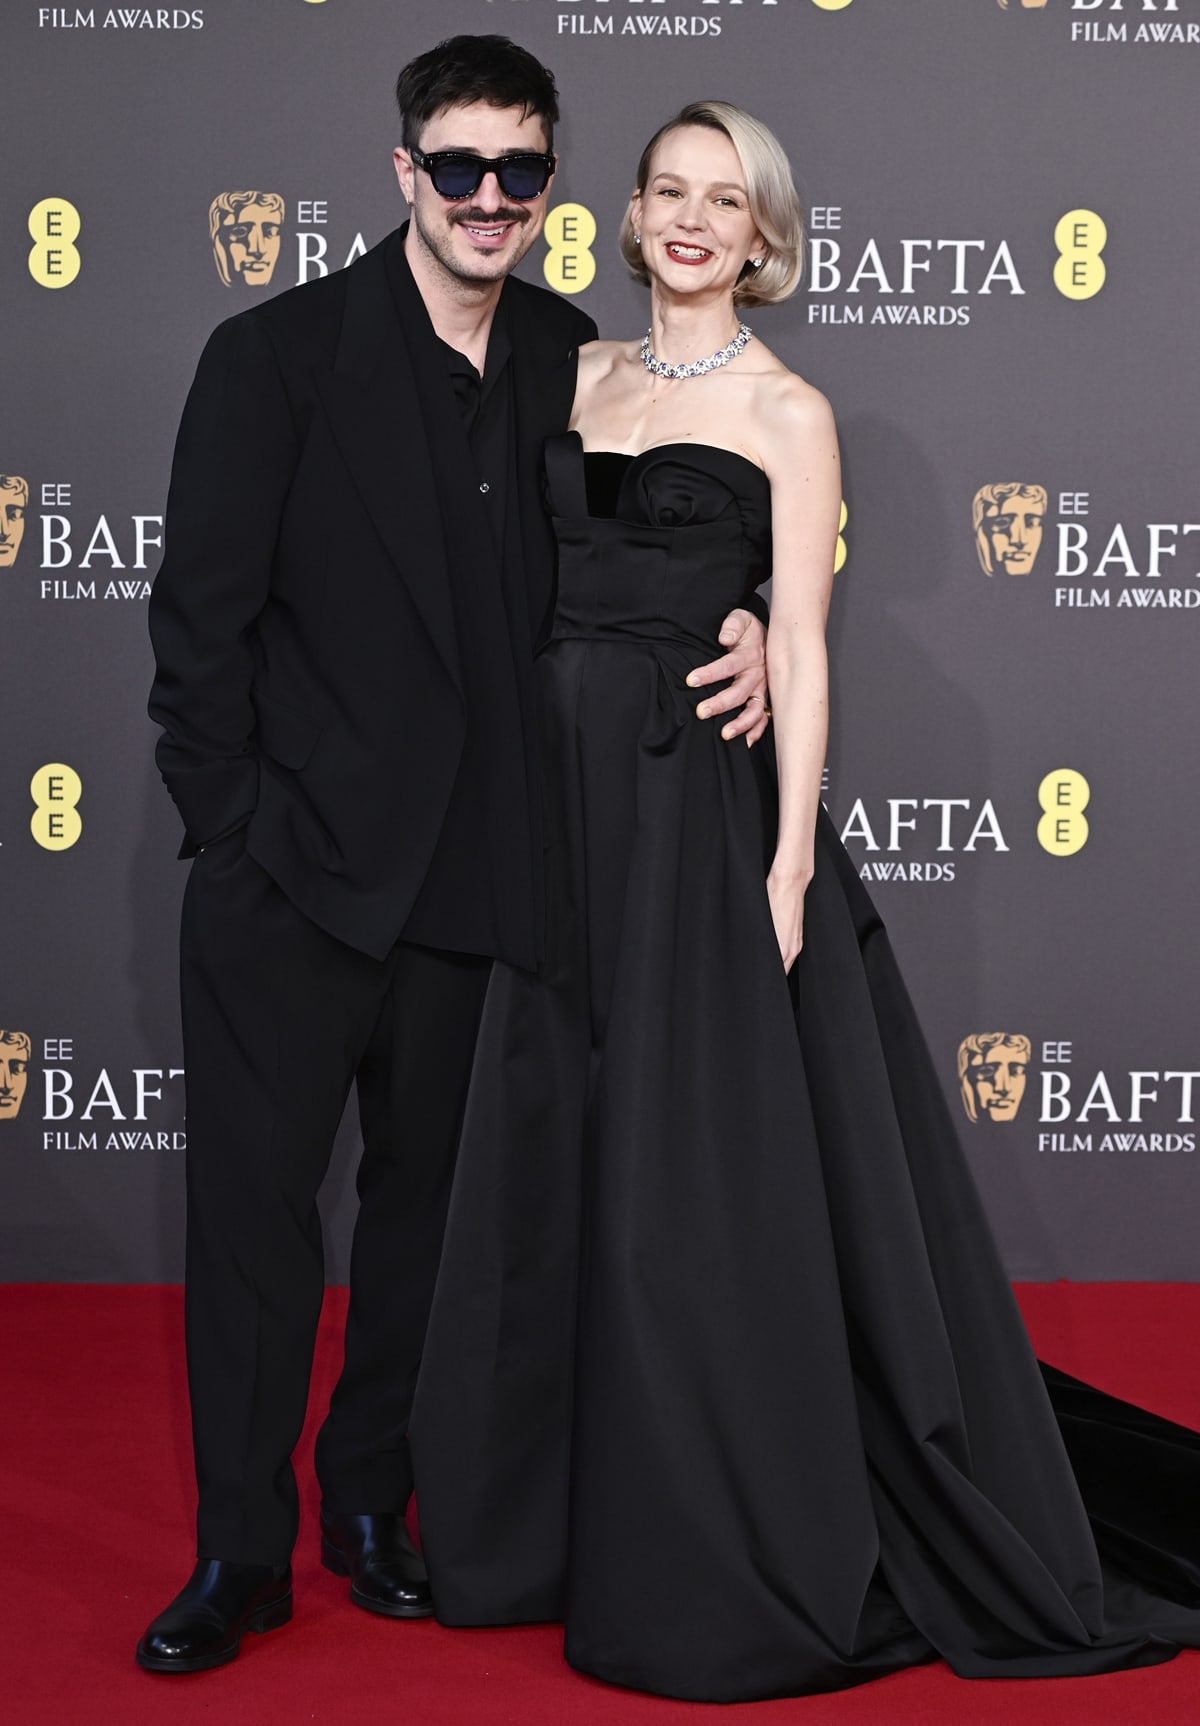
[694, 216]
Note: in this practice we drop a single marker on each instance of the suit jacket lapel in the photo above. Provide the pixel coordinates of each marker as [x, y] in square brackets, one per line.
[378, 414]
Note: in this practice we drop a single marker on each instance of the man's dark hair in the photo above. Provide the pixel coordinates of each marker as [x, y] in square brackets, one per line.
[475, 69]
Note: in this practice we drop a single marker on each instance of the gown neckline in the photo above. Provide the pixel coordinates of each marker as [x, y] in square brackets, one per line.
[671, 444]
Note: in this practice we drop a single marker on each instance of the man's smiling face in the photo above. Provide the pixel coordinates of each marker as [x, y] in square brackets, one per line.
[480, 238]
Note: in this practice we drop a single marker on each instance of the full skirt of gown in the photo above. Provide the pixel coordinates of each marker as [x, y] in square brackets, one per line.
[724, 1369]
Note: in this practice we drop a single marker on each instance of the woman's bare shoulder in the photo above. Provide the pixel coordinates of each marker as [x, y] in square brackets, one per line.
[597, 359]
[789, 408]
[600, 366]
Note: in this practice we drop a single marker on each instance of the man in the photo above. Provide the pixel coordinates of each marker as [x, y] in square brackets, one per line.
[348, 734]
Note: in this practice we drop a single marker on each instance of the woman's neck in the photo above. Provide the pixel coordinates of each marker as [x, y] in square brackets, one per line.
[691, 328]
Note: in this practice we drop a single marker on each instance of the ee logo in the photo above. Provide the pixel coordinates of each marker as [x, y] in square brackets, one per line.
[1080, 272]
[569, 265]
[54, 226]
[55, 822]
[1063, 828]
[832, 5]
[840, 552]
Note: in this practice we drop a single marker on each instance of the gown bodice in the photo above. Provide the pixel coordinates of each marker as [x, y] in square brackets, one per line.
[655, 546]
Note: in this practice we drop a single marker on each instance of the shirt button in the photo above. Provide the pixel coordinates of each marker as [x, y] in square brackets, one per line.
[485, 488]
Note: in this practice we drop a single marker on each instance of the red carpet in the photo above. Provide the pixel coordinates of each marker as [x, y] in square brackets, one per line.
[96, 1495]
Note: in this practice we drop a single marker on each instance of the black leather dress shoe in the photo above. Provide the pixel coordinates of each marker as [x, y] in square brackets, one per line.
[203, 1625]
[387, 1573]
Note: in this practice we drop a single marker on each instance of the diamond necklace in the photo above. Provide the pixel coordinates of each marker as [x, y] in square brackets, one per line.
[697, 368]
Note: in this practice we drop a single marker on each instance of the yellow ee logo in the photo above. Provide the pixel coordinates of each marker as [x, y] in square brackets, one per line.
[570, 232]
[832, 5]
[841, 553]
[54, 227]
[55, 822]
[1080, 272]
[1063, 829]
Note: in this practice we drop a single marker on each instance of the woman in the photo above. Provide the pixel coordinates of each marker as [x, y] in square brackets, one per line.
[724, 1367]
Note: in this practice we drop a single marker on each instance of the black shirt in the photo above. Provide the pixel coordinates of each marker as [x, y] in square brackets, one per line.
[479, 893]
[486, 407]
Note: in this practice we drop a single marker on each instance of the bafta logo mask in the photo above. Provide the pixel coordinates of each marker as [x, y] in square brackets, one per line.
[14, 497]
[1027, 5]
[991, 1074]
[15, 1050]
[1008, 527]
[245, 229]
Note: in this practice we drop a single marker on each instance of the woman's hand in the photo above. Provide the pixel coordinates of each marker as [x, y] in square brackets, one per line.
[786, 896]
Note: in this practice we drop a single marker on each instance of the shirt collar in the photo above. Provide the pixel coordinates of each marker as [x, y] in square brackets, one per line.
[499, 349]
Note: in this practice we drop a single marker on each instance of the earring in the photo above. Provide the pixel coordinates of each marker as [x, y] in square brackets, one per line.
[757, 263]
[637, 238]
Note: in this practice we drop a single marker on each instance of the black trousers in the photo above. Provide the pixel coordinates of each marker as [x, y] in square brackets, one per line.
[279, 1019]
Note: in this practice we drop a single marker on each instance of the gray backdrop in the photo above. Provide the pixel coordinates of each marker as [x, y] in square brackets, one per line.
[968, 339]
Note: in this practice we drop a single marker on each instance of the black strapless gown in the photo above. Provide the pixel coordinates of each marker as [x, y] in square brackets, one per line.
[723, 1368]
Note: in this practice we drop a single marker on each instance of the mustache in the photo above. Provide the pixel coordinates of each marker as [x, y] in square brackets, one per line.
[481, 218]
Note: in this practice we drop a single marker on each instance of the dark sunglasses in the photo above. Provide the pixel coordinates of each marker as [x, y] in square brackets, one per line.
[457, 175]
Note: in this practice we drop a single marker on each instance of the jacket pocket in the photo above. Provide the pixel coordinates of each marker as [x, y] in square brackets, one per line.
[282, 733]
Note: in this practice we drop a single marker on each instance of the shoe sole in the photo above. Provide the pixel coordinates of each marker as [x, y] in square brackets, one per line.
[271, 1617]
[335, 1561]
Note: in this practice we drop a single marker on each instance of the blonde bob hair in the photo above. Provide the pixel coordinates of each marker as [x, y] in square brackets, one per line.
[770, 188]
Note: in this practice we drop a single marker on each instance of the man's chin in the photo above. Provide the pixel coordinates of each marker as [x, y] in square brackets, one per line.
[488, 258]
[484, 270]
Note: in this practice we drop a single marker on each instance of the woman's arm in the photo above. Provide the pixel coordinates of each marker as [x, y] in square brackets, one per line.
[802, 463]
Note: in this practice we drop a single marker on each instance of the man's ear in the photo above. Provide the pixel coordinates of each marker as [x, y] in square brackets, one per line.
[406, 173]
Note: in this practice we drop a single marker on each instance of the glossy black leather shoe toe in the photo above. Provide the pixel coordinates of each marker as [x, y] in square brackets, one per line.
[204, 1624]
[387, 1573]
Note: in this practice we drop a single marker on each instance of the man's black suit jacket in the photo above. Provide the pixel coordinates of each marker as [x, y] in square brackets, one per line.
[308, 681]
